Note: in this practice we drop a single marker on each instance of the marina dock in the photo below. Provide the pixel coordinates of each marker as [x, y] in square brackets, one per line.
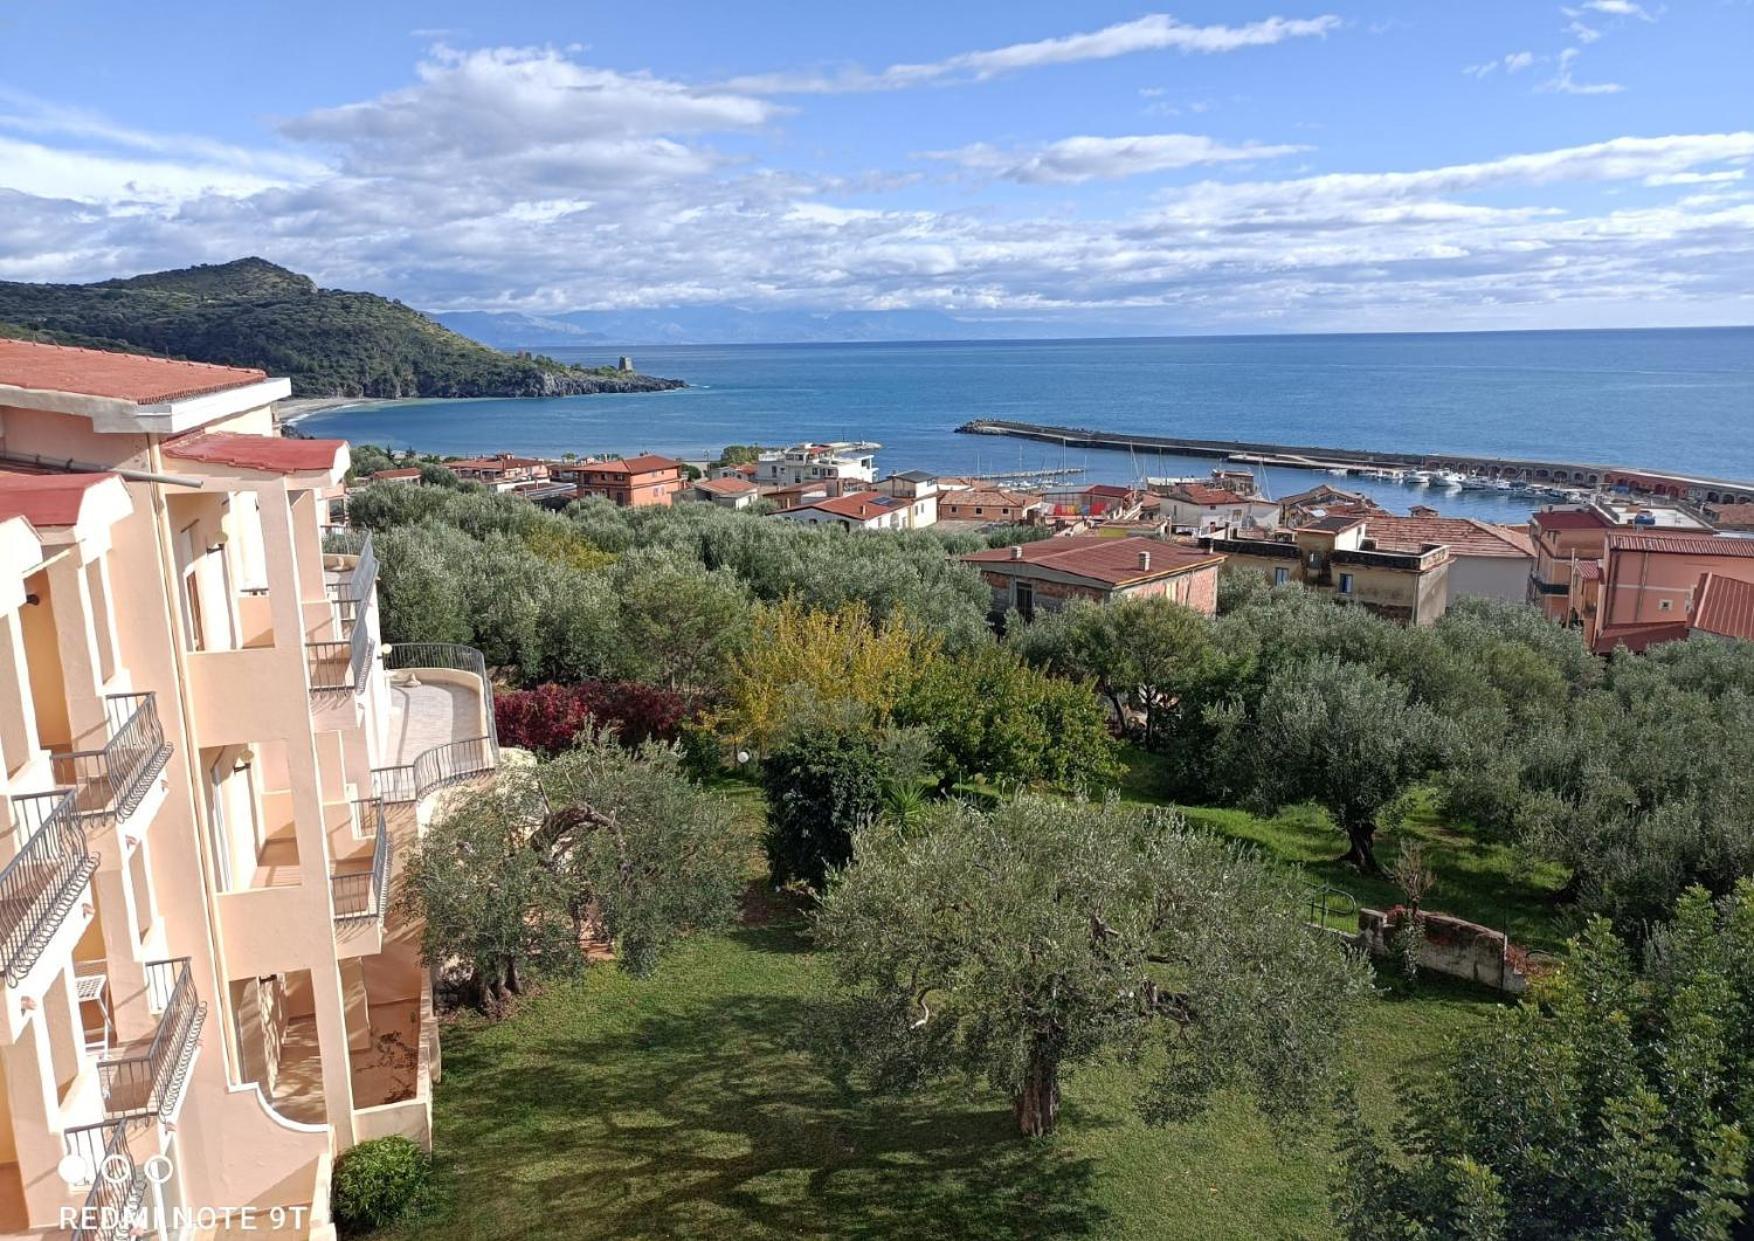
[1666, 483]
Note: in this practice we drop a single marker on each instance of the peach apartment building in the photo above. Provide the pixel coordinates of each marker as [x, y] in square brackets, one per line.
[210, 766]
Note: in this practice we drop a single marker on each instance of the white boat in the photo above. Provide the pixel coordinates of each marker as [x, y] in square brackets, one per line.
[1449, 478]
[1385, 476]
[1420, 478]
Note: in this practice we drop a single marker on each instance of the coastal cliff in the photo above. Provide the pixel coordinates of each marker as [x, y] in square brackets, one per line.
[329, 342]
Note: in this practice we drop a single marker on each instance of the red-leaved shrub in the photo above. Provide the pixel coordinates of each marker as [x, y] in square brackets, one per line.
[548, 718]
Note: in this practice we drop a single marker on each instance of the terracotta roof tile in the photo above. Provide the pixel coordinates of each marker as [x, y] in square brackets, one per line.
[1569, 519]
[1724, 606]
[646, 464]
[860, 505]
[120, 376]
[1112, 562]
[725, 486]
[1465, 536]
[46, 499]
[1204, 494]
[1682, 544]
[270, 453]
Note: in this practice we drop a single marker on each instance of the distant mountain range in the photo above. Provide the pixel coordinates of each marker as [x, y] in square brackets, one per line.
[329, 342]
[736, 325]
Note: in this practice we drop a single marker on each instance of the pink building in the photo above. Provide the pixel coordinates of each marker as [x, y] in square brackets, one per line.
[1658, 587]
[1051, 573]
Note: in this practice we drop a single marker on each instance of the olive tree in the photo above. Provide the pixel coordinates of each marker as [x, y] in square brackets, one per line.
[598, 844]
[1017, 943]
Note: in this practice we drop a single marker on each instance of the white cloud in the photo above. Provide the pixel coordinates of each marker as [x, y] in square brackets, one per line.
[1512, 62]
[1564, 83]
[1695, 178]
[1083, 158]
[1154, 32]
[1618, 8]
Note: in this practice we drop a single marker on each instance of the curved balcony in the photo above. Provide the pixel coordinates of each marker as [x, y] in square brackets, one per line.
[442, 729]
[114, 1209]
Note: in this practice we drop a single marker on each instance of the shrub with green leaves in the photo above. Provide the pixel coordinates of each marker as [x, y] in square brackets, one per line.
[376, 1183]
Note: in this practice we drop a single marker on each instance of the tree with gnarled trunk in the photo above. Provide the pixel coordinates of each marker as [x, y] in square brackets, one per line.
[1045, 934]
[597, 845]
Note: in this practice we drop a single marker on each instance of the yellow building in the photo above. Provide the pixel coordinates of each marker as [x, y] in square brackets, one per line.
[210, 765]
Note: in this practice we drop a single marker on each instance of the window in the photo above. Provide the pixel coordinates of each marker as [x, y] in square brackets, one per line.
[1024, 598]
[1281, 575]
[1345, 583]
[1663, 605]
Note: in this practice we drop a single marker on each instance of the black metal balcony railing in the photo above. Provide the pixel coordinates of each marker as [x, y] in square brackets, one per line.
[435, 769]
[109, 783]
[363, 896]
[113, 1209]
[454, 657]
[149, 1082]
[44, 878]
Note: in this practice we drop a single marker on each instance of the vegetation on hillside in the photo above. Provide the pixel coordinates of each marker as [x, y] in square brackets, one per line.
[329, 342]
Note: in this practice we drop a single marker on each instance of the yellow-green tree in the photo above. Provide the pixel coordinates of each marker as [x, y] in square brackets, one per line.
[800, 660]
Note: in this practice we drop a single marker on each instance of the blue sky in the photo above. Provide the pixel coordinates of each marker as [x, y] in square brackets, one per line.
[1212, 167]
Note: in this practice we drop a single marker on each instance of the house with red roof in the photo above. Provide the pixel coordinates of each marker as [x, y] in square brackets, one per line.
[1653, 582]
[729, 491]
[1487, 560]
[1049, 574]
[1201, 508]
[631, 482]
[857, 510]
[502, 471]
[1337, 557]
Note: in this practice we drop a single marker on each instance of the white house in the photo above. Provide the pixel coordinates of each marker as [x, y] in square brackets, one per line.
[848, 460]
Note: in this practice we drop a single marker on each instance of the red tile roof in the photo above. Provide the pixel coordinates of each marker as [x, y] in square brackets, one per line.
[985, 498]
[1112, 562]
[646, 464]
[270, 453]
[1589, 570]
[1724, 606]
[1636, 637]
[46, 499]
[1732, 516]
[725, 486]
[1682, 544]
[860, 505]
[409, 471]
[1466, 536]
[1333, 525]
[1203, 494]
[1569, 519]
[1109, 490]
[121, 376]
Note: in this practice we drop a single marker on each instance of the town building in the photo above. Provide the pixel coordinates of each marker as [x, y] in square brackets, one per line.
[1655, 586]
[1095, 500]
[404, 475]
[1570, 547]
[988, 504]
[211, 768]
[1487, 560]
[501, 472]
[920, 490]
[725, 492]
[1204, 508]
[1323, 500]
[848, 461]
[1049, 574]
[1333, 555]
[631, 482]
[857, 510]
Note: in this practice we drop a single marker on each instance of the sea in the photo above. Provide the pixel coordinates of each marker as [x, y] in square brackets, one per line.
[1678, 399]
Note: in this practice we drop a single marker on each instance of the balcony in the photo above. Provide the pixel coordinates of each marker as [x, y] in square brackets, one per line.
[350, 579]
[441, 720]
[41, 884]
[108, 784]
[148, 1081]
[361, 890]
[114, 1210]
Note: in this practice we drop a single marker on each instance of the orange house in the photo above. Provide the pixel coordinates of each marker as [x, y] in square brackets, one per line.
[632, 482]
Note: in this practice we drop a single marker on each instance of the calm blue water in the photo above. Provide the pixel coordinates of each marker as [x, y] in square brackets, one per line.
[1674, 399]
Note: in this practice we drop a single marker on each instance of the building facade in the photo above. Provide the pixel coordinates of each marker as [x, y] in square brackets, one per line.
[211, 765]
[1333, 556]
[631, 482]
[1050, 574]
[848, 461]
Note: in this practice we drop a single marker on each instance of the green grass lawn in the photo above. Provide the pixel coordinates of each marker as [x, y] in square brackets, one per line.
[682, 1107]
[1491, 884]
